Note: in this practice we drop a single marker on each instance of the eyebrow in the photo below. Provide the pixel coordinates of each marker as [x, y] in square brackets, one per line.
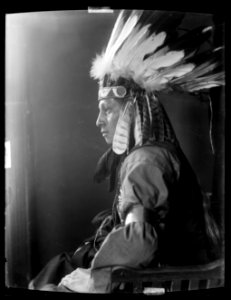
[104, 105]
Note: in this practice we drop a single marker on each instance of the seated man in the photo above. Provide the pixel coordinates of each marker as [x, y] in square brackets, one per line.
[158, 217]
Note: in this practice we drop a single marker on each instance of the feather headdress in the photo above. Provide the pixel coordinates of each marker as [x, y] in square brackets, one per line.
[148, 52]
[144, 47]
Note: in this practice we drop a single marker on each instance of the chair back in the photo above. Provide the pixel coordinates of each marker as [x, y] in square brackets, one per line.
[169, 279]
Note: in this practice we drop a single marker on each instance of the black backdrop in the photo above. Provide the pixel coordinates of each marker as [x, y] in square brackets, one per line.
[51, 110]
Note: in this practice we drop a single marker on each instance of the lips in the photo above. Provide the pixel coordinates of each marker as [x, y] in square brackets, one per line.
[103, 132]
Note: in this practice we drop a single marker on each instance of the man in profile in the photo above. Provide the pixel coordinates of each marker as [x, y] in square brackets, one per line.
[158, 216]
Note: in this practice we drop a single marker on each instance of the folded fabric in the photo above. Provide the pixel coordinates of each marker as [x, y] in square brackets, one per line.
[87, 281]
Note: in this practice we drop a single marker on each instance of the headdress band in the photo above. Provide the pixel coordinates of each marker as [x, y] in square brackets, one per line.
[112, 92]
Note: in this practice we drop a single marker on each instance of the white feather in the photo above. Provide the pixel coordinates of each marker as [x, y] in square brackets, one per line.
[144, 48]
[116, 29]
[97, 69]
[103, 63]
[137, 127]
[159, 79]
[127, 51]
[128, 27]
[152, 84]
[205, 82]
[121, 137]
[130, 43]
[197, 72]
[178, 71]
[130, 56]
[167, 60]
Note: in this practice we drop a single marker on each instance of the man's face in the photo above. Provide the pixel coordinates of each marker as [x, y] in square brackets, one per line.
[109, 111]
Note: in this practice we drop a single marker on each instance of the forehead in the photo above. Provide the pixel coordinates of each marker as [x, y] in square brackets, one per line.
[109, 103]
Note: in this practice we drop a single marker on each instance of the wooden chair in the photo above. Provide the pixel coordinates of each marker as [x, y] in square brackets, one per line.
[168, 279]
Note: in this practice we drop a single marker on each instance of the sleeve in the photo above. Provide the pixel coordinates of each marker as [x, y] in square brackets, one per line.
[135, 243]
[146, 185]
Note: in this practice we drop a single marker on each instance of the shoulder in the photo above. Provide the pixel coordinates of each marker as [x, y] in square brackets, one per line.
[151, 154]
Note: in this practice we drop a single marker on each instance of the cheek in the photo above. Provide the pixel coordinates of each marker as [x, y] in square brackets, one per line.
[113, 121]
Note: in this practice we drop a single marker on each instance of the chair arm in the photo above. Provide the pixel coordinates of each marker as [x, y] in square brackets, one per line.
[213, 270]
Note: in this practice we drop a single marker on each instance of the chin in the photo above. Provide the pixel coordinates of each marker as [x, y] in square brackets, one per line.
[108, 141]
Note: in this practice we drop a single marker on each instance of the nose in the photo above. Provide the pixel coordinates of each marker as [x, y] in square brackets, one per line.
[100, 120]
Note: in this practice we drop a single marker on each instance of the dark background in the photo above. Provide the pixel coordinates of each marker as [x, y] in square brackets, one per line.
[51, 110]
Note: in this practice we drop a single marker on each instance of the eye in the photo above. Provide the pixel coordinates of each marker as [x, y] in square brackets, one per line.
[108, 110]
